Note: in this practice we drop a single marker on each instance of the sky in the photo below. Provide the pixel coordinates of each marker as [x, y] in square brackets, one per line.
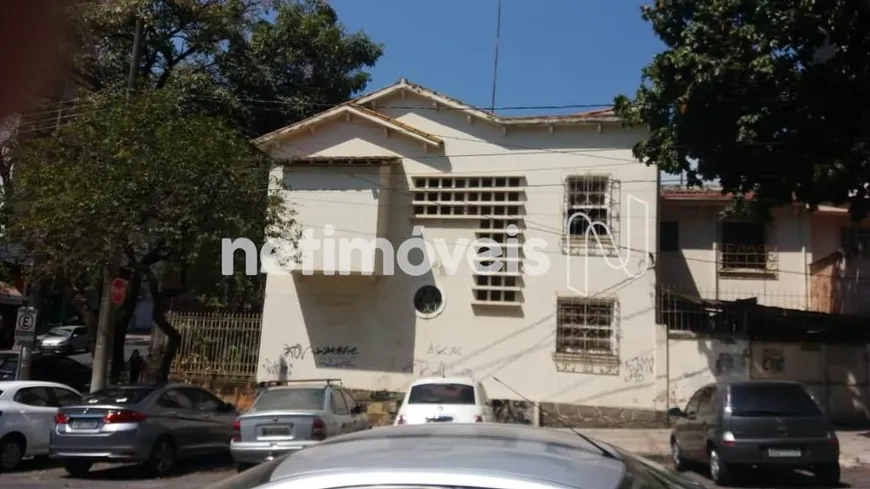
[551, 52]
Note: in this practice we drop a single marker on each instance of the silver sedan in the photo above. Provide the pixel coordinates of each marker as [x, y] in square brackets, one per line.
[483, 456]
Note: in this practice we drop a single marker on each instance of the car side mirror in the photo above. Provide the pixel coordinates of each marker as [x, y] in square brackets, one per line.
[676, 413]
[360, 409]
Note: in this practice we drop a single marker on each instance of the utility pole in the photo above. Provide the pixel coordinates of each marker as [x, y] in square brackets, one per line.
[105, 326]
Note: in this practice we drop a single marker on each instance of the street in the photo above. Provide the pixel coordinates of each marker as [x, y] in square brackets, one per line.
[134, 342]
[198, 474]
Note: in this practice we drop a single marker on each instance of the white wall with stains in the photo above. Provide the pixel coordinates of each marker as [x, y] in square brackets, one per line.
[365, 330]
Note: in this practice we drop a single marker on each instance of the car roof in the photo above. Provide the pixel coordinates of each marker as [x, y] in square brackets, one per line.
[313, 385]
[444, 380]
[513, 451]
[755, 382]
[18, 384]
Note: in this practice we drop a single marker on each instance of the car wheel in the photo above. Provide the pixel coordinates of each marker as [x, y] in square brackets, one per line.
[720, 472]
[77, 468]
[11, 453]
[162, 459]
[827, 474]
[677, 456]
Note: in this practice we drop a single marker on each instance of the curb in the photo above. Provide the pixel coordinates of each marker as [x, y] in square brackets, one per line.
[845, 462]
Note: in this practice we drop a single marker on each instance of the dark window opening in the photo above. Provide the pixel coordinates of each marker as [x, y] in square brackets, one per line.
[442, 394]
[669, 236]
[772, 399]
[743, 246]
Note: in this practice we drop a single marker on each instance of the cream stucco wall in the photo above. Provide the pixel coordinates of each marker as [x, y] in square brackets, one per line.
[693, 269]
[366, 331]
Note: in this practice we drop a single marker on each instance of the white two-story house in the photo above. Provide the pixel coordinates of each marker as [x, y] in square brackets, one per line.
[441, 239]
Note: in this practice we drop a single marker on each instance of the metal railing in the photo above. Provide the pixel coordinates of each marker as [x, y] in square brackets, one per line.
[221, 346]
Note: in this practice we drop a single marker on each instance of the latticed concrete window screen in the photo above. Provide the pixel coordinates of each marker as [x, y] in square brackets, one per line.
[586, 326]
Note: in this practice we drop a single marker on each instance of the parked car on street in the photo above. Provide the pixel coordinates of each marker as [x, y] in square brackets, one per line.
[27, 410]
[64, 340]
[291, 415]
[733, 426]
[154, 424]
[460, 455]
[445, 400]
[48, 367]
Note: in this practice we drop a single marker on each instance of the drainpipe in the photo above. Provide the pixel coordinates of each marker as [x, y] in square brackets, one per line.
[716, 258]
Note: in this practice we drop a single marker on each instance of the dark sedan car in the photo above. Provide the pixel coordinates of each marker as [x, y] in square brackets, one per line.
[48, 367]
[736, 425]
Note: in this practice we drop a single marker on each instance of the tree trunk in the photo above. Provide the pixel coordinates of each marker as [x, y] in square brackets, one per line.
[122, 322]
[173, 336]
[79, 302]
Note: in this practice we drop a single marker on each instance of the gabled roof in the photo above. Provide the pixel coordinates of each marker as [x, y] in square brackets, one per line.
[350, 109]
[599, 116]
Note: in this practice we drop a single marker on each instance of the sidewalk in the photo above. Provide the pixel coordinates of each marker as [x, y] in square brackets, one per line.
[854, 445]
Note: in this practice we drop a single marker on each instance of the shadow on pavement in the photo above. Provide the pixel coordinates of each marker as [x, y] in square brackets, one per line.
[766, 478]
[138, 471]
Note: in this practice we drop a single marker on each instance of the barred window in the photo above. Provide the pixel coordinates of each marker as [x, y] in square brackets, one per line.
[587, 203]
[585, 326]
[743, 246]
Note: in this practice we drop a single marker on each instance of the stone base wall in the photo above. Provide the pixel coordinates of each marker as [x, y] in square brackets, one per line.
[381, 404]
[576, 416]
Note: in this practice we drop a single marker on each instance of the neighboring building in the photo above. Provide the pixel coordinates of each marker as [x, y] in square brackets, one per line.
[406, 156]
[782, 300]
[799, 260]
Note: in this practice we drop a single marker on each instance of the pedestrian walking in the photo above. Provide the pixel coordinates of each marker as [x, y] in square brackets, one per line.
[135, 366]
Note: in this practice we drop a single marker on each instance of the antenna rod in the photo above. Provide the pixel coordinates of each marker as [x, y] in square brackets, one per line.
[495, 63]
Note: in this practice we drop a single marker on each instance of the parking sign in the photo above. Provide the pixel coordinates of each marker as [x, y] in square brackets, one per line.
[25, 326]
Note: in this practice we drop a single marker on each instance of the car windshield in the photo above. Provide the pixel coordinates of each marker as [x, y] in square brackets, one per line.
[441, 394]
[305, 399]
[9, 364]
[771, 399]
[118, 395]
[59, 332]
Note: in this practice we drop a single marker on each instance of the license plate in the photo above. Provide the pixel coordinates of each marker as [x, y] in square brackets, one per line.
[773, 452]
[276, 431]
[84, 425]
[440, 419]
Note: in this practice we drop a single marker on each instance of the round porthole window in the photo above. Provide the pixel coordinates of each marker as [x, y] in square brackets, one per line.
[428, 301]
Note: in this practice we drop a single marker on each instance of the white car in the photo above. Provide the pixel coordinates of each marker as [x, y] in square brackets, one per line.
[445, 400]
[27, 410]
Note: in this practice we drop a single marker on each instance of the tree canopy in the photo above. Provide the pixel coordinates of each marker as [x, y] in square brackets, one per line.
[261, 64]
[768, 97]
[145, 177]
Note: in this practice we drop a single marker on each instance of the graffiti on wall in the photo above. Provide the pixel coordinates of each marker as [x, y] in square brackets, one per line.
[728, 362]
[424, 367]
[439, 359]
[514, 412]
[326, 356]
[437, 350]
[639, 369]
[772, 360]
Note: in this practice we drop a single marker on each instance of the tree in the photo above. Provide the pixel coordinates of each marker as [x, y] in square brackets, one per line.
[768, 97]
[260, 73]
[148, 178]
